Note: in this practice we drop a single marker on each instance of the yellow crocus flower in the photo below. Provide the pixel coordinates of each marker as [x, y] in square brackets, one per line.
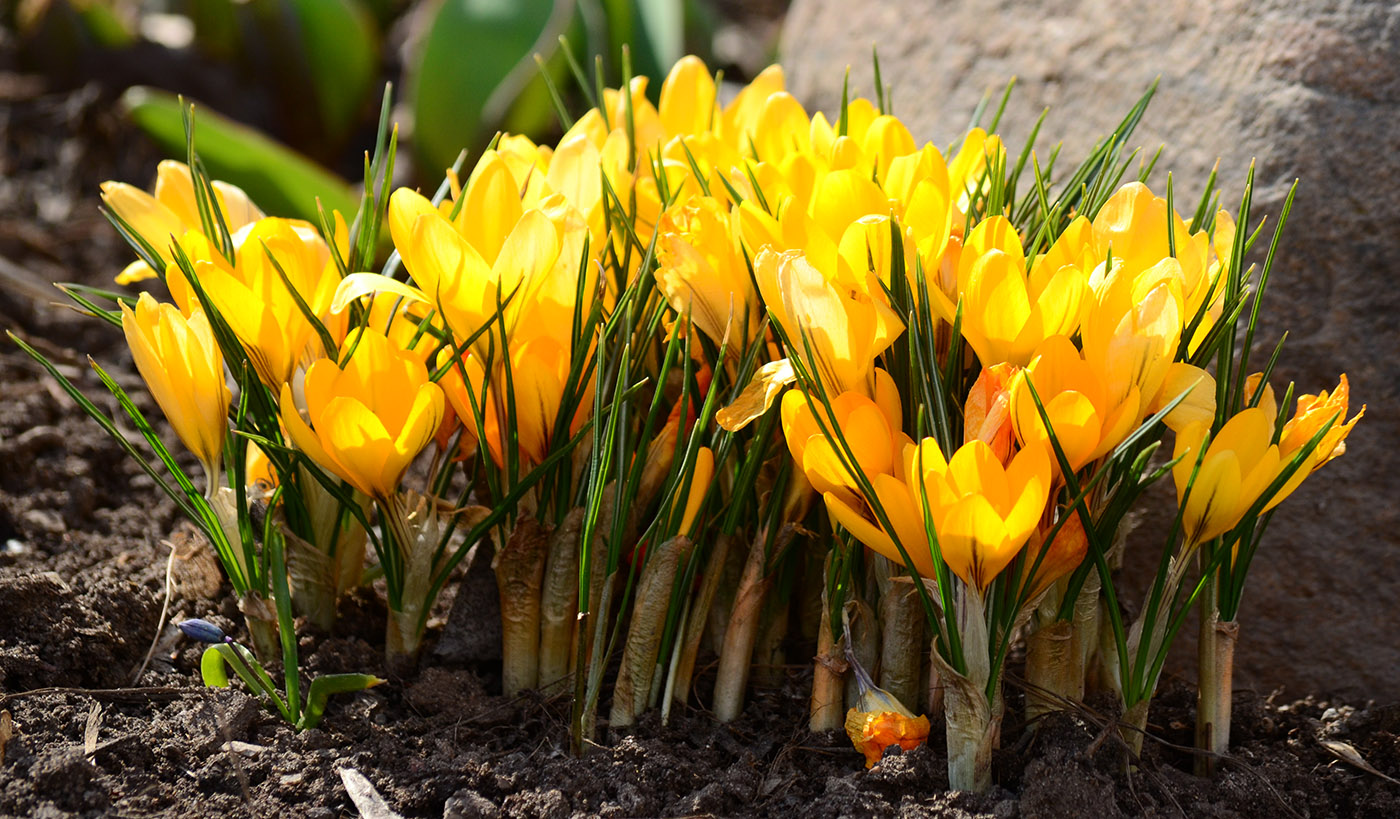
[689, 102]
[468, 285]
[860, 115]
[1131, 329]
[919, 183]
[184, 370]
[367, 421]
[1007, 314]
[872, 429]
[646, 121]
[982, 512]
[1199, 388]
[1007, 311]
[884, 141]
[539, 372]
[967, 173]
[844, 329]
[1237, 467]
[255, 302]
[172, 211]
[702, 273]
[1312, 414]
[1088, 421]
[740, 118]
[986, 511]
[843, 197]
[1132, 226]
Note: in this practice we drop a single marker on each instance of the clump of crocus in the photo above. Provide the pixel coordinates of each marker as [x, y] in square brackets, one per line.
[978, 374]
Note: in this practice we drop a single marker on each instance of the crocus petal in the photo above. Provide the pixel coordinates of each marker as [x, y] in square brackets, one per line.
[358, 285]
[493, 206]
[971, 536]
[758, 396]
[688, 98]
[304, 438]
[421, 422]
[358, 442]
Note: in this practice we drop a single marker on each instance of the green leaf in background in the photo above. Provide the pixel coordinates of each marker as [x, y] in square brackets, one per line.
[105, 24]
[653, 29]
[475, 58]
[281, 181]
[340, 44]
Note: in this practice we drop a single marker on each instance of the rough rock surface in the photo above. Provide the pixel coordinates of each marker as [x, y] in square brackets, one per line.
[1312, 91]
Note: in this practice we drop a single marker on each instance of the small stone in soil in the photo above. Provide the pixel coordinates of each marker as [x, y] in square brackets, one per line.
[468, 804]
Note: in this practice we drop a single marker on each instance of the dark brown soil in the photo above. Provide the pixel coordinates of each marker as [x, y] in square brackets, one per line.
[83, 560]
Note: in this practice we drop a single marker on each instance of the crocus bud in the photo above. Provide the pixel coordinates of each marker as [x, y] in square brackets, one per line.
[202, 630]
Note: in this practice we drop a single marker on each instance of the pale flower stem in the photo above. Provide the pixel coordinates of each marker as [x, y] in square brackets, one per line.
[263, 633]
[1216, 658]
[901, 642]
[519, 576]
[973, 721]
[1087, 624]
[211, 480]
[1050, 673]
[827, 686]
[736, 656]
[1133, 728]
[972, 731]
[559, 602]
[415, 540]
[863, 641]
[632, 692]
[698, 617]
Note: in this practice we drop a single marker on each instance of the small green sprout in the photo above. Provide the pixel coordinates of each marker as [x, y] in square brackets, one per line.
[223, 653]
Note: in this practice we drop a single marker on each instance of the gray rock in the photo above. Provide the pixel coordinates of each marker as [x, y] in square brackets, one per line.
[468, 804]
[1312, 91]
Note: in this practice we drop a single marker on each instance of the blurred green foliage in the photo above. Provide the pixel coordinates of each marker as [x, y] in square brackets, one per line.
[317, 68]
[279, 179]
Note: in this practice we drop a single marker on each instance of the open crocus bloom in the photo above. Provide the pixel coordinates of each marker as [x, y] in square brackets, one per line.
[1132, 226]
[1088, 422]
[367, 421]
[1313, 413]
[1131, 329]
[1006, 313]
[986, 512]
[703, 274]
[253, 298]
[842, 329]
[981, 511]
